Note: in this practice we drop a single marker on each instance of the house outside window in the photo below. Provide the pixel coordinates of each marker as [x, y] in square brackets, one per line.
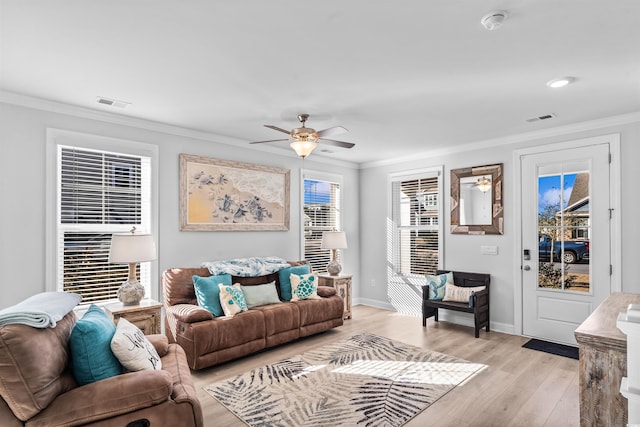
[97, 191]
[321, 212]
[414, 235]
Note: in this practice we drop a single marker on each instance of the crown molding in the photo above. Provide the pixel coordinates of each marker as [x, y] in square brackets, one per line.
[619, 120]
[120, 119]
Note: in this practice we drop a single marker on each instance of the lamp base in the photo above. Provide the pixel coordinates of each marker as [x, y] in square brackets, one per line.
[334, 268]
[131, 292]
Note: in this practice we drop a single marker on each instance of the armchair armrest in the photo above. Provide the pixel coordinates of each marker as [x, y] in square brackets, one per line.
[326, 291]
[160, 343]
[107, 398]
[189, 313]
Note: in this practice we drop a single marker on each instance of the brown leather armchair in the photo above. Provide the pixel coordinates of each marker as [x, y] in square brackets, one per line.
[37, 387]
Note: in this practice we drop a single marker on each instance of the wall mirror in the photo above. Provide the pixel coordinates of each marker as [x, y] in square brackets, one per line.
[476, 200]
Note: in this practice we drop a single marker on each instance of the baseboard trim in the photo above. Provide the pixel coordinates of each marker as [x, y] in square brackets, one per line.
[444, 315]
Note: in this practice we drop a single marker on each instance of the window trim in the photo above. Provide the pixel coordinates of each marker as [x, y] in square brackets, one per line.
[319, 176]
[406, 176]
[56, 137]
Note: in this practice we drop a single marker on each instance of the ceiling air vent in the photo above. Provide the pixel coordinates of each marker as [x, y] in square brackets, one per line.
[544, 117]
[112, 102]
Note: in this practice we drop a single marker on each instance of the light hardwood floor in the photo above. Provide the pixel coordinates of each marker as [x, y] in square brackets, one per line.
[519, 387]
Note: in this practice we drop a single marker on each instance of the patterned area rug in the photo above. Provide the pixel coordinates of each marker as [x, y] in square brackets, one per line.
[364, 380]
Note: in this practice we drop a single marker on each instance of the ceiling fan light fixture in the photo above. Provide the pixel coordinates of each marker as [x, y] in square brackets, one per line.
[304, 147]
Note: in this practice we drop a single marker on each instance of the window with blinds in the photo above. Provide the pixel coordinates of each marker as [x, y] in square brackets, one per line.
[99, 193]
[321, 213]
[416, 218]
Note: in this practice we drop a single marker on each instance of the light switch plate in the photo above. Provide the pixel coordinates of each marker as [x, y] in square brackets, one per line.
[489, 250]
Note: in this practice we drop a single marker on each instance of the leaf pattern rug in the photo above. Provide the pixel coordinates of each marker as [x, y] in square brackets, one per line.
[364, 380]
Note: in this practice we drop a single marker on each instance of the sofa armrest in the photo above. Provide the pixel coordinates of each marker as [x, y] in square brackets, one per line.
[327, 291]
[189, 313]
[160, 343]
[107, 398]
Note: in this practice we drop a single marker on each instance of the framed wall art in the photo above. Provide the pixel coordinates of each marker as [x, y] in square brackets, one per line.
[223, 195]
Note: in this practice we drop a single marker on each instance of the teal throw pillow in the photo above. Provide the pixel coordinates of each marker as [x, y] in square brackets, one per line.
[258, 295]
[286, 291]
[437, 285]
[208, 292]
[90, 345]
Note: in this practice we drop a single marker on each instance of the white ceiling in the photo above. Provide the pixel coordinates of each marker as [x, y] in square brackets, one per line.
[403, 76]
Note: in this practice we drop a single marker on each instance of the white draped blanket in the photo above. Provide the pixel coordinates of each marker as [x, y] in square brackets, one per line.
[246, 267]
[42, 310]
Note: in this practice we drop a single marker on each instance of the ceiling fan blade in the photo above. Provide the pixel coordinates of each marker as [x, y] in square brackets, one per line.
[269, 140]
[337, 143]
[278, 129]
[336, 130]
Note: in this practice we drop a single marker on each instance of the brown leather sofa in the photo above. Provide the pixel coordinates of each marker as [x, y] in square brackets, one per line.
[37, 387]
[209, 340]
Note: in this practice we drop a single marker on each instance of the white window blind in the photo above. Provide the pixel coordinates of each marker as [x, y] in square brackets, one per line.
[416, 219]
[321, 213]
[99, 193]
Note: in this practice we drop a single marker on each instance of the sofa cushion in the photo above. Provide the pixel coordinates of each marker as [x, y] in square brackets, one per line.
[133, 349]
[90, 344]
[258, 295]
[31, 380]
[208, 292]
[304, 286]
[232, 299]
[286, 292]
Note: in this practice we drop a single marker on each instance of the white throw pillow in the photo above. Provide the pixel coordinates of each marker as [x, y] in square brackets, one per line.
[304, 286]
[232, 299]
[459, 293]
[133, 349]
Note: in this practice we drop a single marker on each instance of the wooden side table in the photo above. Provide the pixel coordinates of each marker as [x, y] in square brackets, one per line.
[343, 284]
[603, 363]
[146, 315]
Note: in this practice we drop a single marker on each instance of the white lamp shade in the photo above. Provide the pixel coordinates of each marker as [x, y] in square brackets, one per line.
[334, 240]
[304, 147]
[131, 248]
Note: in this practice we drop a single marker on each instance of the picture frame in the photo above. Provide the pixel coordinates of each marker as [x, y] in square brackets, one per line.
[225, 195]
[468, 218]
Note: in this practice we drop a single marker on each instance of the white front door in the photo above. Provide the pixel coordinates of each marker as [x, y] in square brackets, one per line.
[565, 239]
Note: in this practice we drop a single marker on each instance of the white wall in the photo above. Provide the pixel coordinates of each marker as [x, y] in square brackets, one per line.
[22, 196]
[462, 252]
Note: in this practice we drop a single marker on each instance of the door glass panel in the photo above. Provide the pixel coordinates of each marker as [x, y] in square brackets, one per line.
[564, 227]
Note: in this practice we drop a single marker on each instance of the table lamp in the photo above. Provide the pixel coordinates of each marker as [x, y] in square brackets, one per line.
[334, 240]
[131, 249]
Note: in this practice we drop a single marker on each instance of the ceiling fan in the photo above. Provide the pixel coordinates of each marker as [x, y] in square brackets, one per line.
[304, 140]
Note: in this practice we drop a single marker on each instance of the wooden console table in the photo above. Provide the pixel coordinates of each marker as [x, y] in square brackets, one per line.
[603, 363]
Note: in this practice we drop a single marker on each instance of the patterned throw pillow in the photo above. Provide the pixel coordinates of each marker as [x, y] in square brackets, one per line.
[437, 285]
[304, 286]
[461, 294]
[133, 349]
[232, 299]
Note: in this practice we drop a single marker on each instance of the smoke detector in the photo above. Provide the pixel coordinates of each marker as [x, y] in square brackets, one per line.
[493, 20]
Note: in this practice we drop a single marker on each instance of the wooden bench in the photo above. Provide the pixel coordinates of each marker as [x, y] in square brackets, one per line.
[480, 307]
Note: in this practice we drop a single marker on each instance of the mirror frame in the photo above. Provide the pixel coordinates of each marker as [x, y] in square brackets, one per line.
[497, 221]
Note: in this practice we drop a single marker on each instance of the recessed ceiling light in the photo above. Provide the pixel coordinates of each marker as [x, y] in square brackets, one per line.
[560, 82]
